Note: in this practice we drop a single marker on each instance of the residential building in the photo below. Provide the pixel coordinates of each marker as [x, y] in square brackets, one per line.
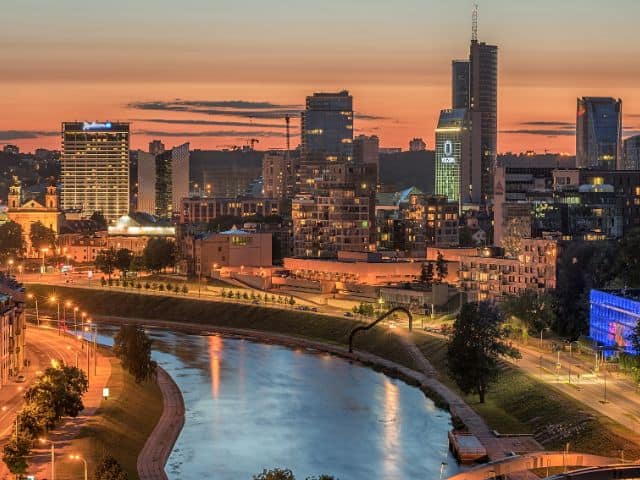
[417, 145]
[487, 276]
[170, 170]
[95, 168]
[278, 175]
[429, 220]
[197, 210]
[146, 163]
[223, 174]
[27, 213]
[13, 328]
[632, 153]
[156, 147]
[599, 133]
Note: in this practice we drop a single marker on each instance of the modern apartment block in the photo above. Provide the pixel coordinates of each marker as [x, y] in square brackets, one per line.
[197, 210]
[632, 153]
[488, 277]
[599, 133]
[429, 220]
[278, 175]
[95, 168]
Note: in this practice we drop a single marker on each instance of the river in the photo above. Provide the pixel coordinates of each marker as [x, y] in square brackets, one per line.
[251, 406]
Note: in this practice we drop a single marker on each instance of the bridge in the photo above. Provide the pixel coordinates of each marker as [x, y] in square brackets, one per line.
[541, 460]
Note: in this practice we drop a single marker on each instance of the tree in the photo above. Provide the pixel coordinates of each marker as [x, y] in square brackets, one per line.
[137, 263]
[106, 261]
[426, 274]
[158, 254]
[123, 261]
[11, 240]
[15, 454]
[531, 311]
[627, 262]
[133, 347]
[275, 474]
[42, 237]
[515, 230]
[475, 348]
[441, 268]
[109, 469]
[99, 219]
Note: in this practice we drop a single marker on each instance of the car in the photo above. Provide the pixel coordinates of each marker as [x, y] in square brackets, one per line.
[348, 314]
[256, 302]
[314, 309]
[21, 378]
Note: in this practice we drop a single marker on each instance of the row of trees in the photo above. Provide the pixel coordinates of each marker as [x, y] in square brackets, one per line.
[266, 298]
[132, 346]
[159, 254]
[168, 287]
[12, 239]
[57, 393]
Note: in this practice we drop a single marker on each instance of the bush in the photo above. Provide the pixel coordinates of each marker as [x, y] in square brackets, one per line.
[110, 282]
[138, 285]
[147, 286]
[103, 282]
[161, 287]
[185, 290]
[245, 295]
[109, 469]
[169, 286]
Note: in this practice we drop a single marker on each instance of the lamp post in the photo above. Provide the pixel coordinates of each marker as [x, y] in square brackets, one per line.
[44, 252]
[53, 457]
[75, 321]
[9, 265]
[54, 299]
[35, 299]
[78, 457]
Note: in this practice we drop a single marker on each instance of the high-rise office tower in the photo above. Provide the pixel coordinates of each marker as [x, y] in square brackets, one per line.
[163, 181]
[460, 84]
[483, 105]
[632, 153]
[599, 133]
[95, 168]
[327, 133]
[455, 178]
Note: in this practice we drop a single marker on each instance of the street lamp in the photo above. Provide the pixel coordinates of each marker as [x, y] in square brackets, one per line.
[53, 456]
[78, 457]
[44, 252]
[9, 265]
[35, 299]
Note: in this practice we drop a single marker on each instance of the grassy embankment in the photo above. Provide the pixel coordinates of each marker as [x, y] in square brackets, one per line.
[120, 427]
[517, 403]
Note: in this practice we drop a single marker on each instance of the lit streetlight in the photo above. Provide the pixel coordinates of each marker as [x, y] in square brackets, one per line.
[78, 457]
[53, 456]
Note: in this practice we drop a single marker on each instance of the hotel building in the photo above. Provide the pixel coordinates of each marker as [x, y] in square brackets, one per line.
[95, 168]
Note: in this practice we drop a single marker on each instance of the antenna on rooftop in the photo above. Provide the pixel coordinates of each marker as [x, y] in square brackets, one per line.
[474, 23]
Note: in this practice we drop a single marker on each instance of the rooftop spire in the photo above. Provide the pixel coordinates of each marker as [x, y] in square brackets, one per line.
[474, 24]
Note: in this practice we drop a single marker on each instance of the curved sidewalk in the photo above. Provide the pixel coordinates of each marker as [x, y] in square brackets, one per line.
[156, 450]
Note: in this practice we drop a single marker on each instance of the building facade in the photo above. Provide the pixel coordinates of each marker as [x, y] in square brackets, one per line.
[429, 220]
[599, 133]
[278, 175]
[632, 153]
[488, 277]
[613, 316]
[197, 210]
[95, 168]
[454, 178]
[460, 84]
[30, 212]
[12, 329]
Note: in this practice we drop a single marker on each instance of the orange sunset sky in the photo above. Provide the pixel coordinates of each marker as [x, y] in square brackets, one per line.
[216, 73]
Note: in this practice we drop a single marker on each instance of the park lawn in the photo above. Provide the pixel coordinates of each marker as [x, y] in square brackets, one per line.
[120, 427]
[519, 403]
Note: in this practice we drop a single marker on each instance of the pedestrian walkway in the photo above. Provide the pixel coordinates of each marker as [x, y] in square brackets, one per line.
[156, 450]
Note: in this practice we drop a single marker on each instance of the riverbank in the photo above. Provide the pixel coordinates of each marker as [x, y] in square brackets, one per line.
[518, 403]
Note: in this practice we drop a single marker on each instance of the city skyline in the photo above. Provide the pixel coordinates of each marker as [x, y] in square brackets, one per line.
[233, 66]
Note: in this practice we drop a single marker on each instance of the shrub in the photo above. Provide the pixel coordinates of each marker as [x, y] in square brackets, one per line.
[161, 287]
[185, 290]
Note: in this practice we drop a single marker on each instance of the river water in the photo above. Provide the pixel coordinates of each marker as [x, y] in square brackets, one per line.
[251, 406]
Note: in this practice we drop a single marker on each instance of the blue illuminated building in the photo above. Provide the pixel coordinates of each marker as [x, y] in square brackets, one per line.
[612, 318]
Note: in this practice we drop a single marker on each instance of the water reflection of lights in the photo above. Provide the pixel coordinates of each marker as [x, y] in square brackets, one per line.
[391, 428]
[215, 349]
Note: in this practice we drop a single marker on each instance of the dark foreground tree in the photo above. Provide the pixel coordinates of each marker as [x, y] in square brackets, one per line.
[15, 454]
[106, 261]
[42, 236]
[531, 311]
[109, 469]
[123, 260]
[133, 347]
[475, 348]
[11, 240]
[441, 268]
[159, 254]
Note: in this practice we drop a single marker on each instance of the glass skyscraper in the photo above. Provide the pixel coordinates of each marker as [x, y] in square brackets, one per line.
[460, 84]
[452, 153]
[95, 168]
[599, 133]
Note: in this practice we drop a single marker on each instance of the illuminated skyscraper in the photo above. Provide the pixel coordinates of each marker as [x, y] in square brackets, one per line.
[95, 168]
[599, 133]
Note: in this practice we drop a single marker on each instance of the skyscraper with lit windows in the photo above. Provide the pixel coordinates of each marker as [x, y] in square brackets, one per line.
[95, 168]
[599, 133]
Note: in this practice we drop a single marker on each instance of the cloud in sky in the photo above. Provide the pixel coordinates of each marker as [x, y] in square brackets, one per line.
[220, 123]
[546, 123]
[24, 134]
[541, 131]
[213, 133]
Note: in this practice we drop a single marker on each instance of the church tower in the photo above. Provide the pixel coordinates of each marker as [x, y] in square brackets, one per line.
[51, 198]
[14, 199]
